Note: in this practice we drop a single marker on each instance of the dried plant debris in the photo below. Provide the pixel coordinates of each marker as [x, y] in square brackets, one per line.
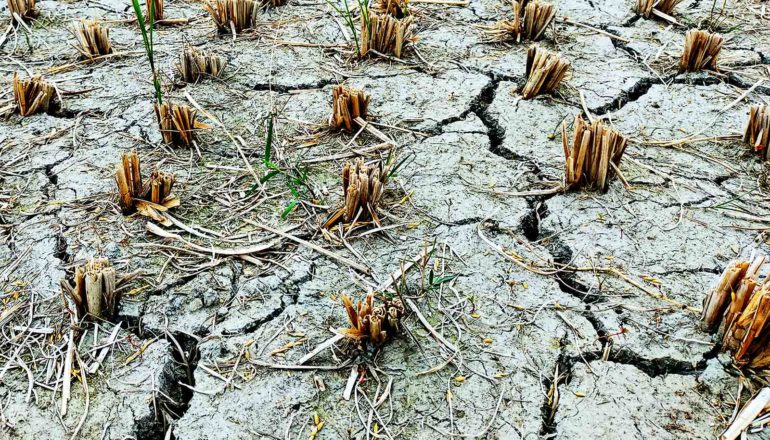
[348, 104]
[178, 123]
[701, 51]
[385, 34]
[757, 132]
[545, 70]
[362, 187]
[394, 8]
[157, 11]
[373, 323]
[94, 292]
[195, 65]
[22, 10]
[33, 95]
[594, 156]
[233, 15]
[648, 7]
[93, 40]
[738, 308]
[529, 22]
[151, 198]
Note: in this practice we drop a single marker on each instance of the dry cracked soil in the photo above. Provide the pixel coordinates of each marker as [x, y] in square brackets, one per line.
[208, 345]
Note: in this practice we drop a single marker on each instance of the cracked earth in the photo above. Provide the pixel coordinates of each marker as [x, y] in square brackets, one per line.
[203, 340]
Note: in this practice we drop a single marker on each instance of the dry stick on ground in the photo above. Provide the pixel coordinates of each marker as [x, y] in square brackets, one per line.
[648, 7]
[150, 199]
[32, 95]
[595, 149]
[94, 291]
[232, 15]
[195, 65]
[385, 34]
[545, 70]
[178, 123]
[701, 51]
[24, 10]
[93, 40]
[362, 187]
[528, 23]
[747, 415]
[757, 133]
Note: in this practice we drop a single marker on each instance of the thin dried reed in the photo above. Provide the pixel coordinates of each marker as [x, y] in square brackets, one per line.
[545, 70]
[32, 95]
[701, 51]
[93, 40]
[595, 154]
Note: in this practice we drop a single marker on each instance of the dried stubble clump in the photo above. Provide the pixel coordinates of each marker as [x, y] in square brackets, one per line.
[151, 198]
[394, 8]
[33, 95]
[373, 323]
[645, 7]
[195, 65]
[233, 15]
[348, 104]
[385, 34]
[178, 123]
[93, 40]
[156, 6]
[362, 186]
[757, 133]
[545, 71]
[529, 22]
[701, 51]
[594, 156]
[738, 308]
[94, 292]
[23, 10]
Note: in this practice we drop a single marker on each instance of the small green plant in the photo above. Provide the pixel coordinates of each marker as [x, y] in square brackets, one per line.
[147, 37]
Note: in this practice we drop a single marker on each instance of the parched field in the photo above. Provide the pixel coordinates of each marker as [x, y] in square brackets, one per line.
[531, 311]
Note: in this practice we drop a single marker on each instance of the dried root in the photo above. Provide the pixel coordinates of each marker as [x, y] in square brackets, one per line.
[195, 65]
[545, 70]
[93, 40]
[362, 186]
[595, 154]
[22, 10]
[758, 130]
[645, 7]
[385, 34]
[529, 22]
[233, 15]
[157, 9]
[32, 95]
[150, 199]
[701, 51]
[739, 307]
[375, 324]
[395, 8]
[94, 293]
[178, 124]
[347, 105]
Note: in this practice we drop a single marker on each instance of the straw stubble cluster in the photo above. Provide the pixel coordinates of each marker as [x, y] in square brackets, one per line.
[649, 7]
[385, 34]
[373, 323]
[348, 104]
[33, 95]
[362, 186]
[757, 133]
[22, 10]
[233, 15]
[151, 198]
[701, 51]
[195, 65]
[530, 20]
[178, 123]
[594, 156]
[94, 293]
[545, 71]
[93, 40]
[737, 309]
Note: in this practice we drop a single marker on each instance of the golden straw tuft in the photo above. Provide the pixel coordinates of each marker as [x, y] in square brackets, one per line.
[151, 198]
[385, 34]
[648, 7]
[93, 40]
[195, 65]
[757, 133]
[595, 154]
[178, 123]
[529, 22]
[738, 308]
[32, 95]
[545, 70]
[94, 293]
[157, 11]
[233, 15]
[701, 51]
[22, 10]
[347, 105]
[362, 186]
[373, 323]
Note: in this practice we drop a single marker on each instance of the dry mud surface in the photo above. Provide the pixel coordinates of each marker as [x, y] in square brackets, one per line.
[570, 355]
